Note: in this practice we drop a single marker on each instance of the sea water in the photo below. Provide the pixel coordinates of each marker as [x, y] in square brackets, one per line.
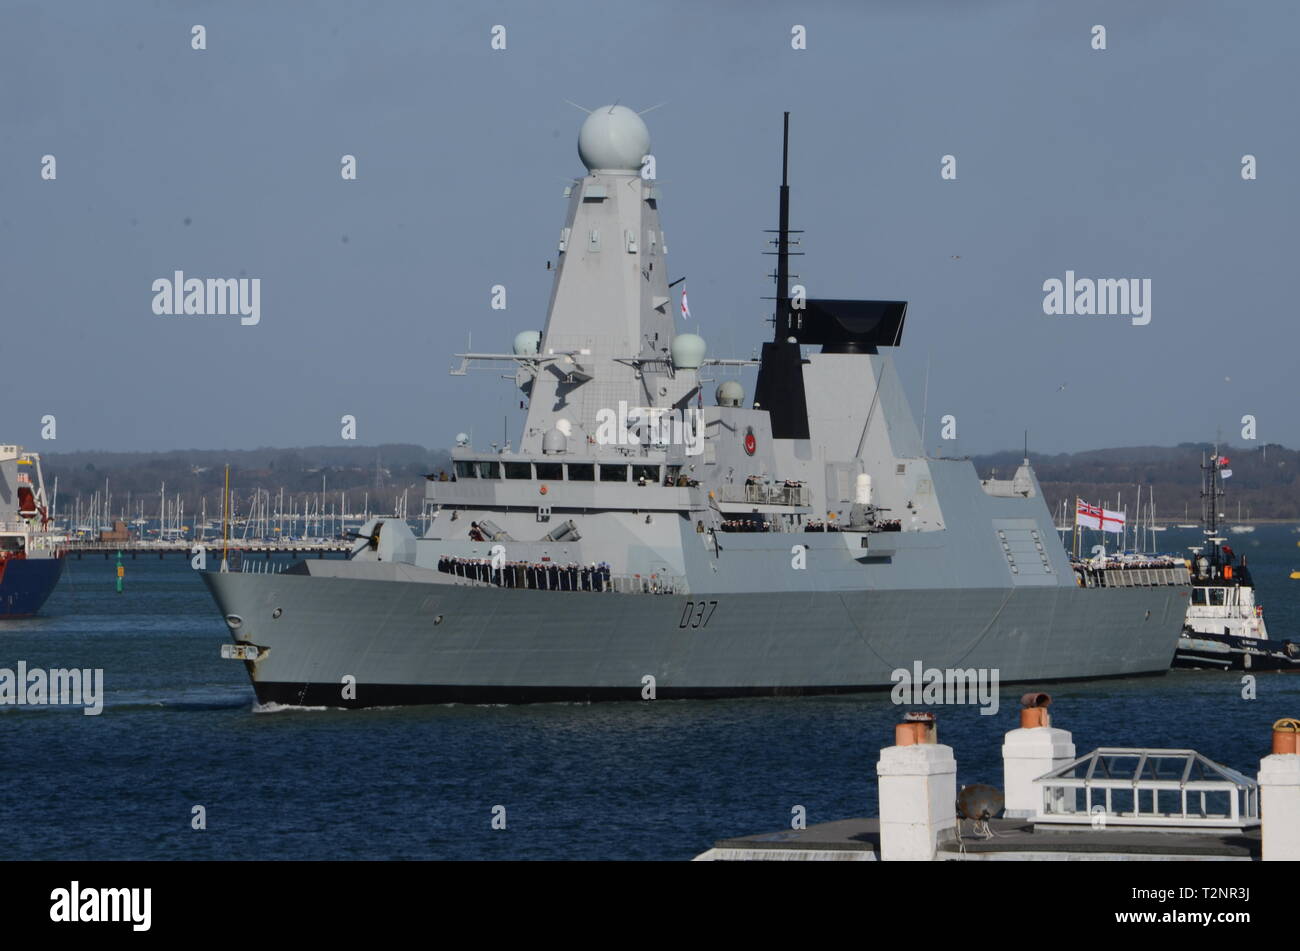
[661, 780]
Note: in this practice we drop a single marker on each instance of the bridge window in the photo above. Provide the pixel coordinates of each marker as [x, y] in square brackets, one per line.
[489, 470]
[582, 472]
[466, 470]
[1218, 596]
[1198, 596]
[649, 473]
[550, 470]
[519, 470]
[610, 473]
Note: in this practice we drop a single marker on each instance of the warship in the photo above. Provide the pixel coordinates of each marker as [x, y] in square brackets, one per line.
[31, 552]
[638, 544]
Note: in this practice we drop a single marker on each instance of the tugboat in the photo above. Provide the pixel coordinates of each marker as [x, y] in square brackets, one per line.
[1225, 628]
[31, 557]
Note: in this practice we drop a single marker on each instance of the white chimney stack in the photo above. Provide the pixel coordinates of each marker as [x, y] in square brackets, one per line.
[1279, 795]
[918, 792]
[1029, 752]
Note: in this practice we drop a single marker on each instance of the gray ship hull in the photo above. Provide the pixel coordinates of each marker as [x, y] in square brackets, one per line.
[405, 642]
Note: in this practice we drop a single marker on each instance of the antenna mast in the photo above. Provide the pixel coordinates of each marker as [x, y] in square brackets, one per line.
[781, 321]
[783, 239]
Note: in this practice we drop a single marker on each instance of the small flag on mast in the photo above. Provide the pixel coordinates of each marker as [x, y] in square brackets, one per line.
[686, 310]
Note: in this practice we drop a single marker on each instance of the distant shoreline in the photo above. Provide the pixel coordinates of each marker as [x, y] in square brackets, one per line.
[1226, 524]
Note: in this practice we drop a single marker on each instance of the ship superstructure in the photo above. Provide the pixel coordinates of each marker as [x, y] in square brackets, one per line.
[31, 553]
[639, 543]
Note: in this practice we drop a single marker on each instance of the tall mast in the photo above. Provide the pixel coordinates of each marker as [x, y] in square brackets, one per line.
[1211, 493]
[783, 240]
[781, 324]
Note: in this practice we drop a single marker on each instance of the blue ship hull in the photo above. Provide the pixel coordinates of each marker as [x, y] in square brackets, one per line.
[26, 583]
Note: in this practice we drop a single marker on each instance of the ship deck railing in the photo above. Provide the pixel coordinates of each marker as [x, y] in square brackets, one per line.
[760, 494]
[614, 584]
[1120, 576]
[20, 526]
[251, 546]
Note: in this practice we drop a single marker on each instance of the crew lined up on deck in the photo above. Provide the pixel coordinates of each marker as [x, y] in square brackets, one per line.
[817, 525]
[541, 576]
[680, 481]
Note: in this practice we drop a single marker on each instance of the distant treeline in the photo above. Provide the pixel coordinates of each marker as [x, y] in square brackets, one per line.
[1265, 479]
[384, 472]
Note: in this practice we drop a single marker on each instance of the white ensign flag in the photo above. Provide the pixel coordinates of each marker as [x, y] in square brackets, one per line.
[1097, 518]
[1112, 521]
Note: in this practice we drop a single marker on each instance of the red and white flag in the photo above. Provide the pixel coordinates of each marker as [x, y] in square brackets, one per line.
[1097, 518]
[686, 311]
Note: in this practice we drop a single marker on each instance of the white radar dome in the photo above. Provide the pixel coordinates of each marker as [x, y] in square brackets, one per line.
[730, 393]
[688, 351]
[554, 442]
[527, 342]
[613, 139]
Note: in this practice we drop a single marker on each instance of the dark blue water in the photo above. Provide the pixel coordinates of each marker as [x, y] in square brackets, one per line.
[658, 780]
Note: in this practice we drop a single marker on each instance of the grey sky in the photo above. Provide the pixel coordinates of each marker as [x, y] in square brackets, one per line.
[1122, 163]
